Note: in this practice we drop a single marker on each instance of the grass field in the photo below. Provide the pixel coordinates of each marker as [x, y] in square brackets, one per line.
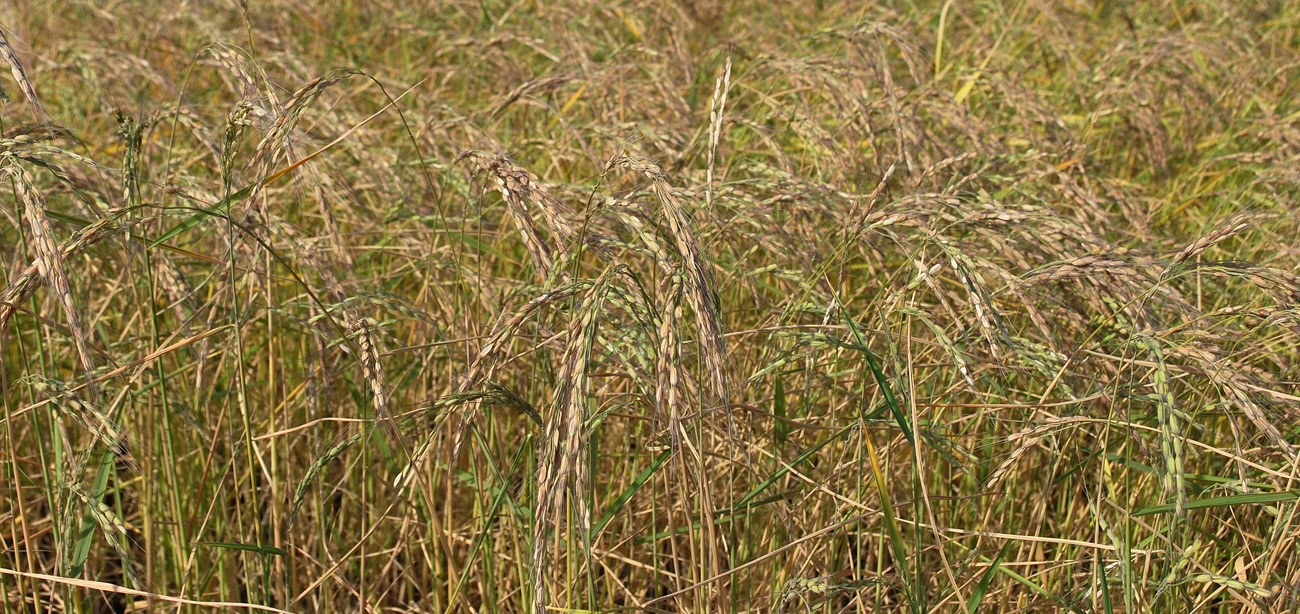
[506, 306]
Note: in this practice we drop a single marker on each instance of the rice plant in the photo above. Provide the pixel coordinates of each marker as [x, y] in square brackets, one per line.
[494, 307]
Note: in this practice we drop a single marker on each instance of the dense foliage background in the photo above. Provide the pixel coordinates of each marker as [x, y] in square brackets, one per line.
[502, 306]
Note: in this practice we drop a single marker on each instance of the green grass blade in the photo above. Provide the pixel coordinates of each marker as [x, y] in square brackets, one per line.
[779, 473]
[81, 549]
[272, 550]
[891, 521]
[198, 218]
[879, 374]
[488, 518]
[631, 489]
[1212, 502]
[780, 430]
[977, 596]
[1034, 586]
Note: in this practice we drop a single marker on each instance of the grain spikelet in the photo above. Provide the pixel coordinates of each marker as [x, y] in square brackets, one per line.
[284, 123]
[20, 75]
[31, 279]
[104, 429]
[668, 363]
[534, 86]
[1256, 416]
[523, 191]
[700, 291]
[132, 134]
[373, 372]
[560, 465]
[49, 260]
[314, 470]
[104, 515]
[293, 109]
[1232, 583]
[990, 320]
[717, 107]
[237, 123]
[494, 395]
[1027, 438]
[484, 362]
[1171, 426]
[109, 523]
[1227, 230]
